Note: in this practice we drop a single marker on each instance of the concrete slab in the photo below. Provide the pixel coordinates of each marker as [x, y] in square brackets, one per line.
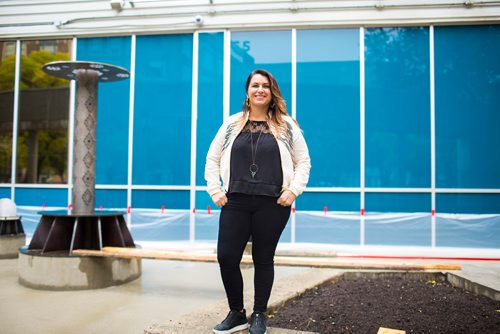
[170, 297]
[486, 273]
[285, 288]
[166, 291]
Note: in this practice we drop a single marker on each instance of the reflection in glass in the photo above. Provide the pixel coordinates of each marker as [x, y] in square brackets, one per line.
[210, 97]
[112, 106]
[43, 115]
[269, 50]
[328, 104]
[397, 112]
[162, 110]
[7, 74]
[467, 106]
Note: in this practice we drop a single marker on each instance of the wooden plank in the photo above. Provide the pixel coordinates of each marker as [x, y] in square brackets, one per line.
[383, 330]
[123, 252]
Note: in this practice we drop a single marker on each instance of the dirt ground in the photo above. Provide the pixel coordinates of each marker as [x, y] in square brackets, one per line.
[362, 305]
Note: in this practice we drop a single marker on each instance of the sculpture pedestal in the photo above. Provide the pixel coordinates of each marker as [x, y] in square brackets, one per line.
[47, 262]
[10, 244]
[12, 237]
[62, 272]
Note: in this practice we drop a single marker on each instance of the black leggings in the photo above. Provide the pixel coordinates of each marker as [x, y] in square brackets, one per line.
[264, 220]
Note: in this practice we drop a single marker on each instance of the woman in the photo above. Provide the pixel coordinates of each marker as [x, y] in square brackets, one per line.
[263, 161]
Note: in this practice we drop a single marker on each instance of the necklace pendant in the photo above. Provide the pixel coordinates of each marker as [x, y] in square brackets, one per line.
[254, 168]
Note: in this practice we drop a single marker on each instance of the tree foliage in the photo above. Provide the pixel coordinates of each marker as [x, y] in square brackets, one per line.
[32, 75]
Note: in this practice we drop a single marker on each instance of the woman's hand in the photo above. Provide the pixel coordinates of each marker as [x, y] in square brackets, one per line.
[287, 197]
[220, 199]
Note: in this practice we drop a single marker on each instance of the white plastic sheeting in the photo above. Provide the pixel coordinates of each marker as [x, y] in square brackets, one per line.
[336, 228]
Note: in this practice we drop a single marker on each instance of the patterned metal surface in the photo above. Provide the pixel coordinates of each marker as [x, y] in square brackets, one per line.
[71, 70]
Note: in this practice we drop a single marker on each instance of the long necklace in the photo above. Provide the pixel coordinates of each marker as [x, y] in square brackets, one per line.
[254, 168]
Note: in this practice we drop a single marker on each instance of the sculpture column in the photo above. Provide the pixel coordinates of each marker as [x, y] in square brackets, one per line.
[84, 141]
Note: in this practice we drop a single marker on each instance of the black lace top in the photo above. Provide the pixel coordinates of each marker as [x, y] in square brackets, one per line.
[256, 168]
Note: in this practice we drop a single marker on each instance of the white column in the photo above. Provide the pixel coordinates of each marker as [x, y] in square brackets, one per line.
[433, 136]
[227, 74]
[362, 131]
[15, 121]
[71, 124]
[131, 127]
[194, 118]
[294, 115]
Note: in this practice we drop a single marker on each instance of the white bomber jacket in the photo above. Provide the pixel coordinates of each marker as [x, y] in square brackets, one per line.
[295, 160]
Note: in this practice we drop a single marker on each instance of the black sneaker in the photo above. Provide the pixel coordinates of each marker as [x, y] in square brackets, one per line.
[235, 321]
[259, 321]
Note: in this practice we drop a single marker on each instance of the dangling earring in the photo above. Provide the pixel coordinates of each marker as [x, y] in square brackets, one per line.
[273, 105]
[247, 101]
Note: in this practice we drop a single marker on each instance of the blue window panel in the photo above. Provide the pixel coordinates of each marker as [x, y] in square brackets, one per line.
[333, 201]
[203, 200]
[286, 235]
[478, 232]
[467, 106]
[328, 104]
[111, 199]
[318, 228]
[30, 217]
[468, 203]
[268, 50]
[405, 230]
[148, 225]
[210, 96]
[40, 197]
[398, 202]
[112, 108]
[5, 192]
[397, 121]
[206, 225]
[170, 199]
[162, 116]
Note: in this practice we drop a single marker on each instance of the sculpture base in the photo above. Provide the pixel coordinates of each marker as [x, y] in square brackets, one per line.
[66, 231]
[10, 244]
[60, 271]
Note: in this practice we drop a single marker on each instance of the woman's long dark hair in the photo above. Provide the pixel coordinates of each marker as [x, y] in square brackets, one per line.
[277, 107]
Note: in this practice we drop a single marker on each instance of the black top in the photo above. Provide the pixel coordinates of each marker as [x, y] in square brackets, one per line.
[268, 177]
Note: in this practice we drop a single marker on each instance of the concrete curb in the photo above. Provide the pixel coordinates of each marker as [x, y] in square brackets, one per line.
[476, 288]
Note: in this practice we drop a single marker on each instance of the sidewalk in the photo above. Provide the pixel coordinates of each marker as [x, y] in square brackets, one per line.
[170, 297]
[166, 291]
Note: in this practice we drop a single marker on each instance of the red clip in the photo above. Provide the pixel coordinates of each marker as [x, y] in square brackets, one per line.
[194, 210]
[325, 209]
[100, 207]
[294, 209]
[362, 212]
[433, 212]
[208, 209]
[43, 206]
[129, 209]
[70, 206]
[163, 209]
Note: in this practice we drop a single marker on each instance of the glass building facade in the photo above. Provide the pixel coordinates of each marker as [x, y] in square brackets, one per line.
[401, 123]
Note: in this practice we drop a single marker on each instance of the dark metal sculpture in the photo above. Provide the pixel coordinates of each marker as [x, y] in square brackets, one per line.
[82, 227]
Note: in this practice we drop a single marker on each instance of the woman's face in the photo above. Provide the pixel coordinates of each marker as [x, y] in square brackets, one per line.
[259, 91]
